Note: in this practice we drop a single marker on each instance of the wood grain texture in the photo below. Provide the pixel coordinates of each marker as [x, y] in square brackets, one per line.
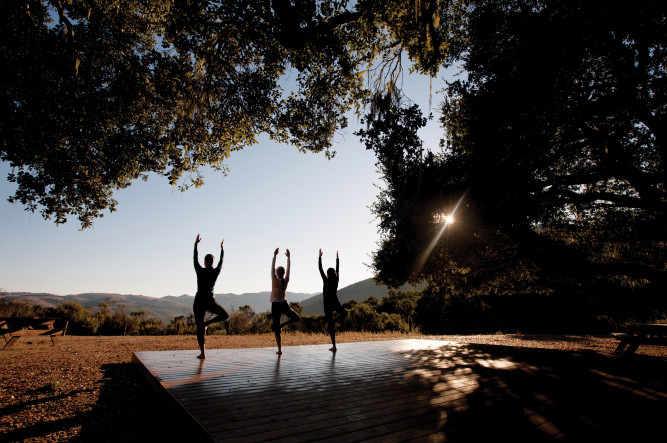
[401, 390]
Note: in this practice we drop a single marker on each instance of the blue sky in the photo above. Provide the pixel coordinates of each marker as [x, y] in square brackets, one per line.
[273, 196]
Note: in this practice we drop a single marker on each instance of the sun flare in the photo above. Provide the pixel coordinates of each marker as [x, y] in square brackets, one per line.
[441, 217]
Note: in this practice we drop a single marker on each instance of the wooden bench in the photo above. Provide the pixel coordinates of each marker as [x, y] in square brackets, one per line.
[13, 328]
[641, 334]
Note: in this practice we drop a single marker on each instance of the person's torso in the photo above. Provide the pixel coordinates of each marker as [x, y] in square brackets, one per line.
[278, 289]
[206, 278]
[329, 287]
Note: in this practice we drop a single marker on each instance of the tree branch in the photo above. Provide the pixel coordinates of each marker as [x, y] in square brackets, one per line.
[590, 197]
[63, 19]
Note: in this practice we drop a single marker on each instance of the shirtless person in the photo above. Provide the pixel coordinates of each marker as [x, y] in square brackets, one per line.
[204, 299]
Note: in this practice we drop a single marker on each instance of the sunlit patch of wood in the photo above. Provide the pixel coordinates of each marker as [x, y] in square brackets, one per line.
[425, 390]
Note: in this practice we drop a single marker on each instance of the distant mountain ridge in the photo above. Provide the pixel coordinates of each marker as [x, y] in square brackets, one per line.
[163, 308]
[170, 306]
[358, 291]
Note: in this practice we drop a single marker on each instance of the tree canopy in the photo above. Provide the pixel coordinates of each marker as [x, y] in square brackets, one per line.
[554, 149]
[98, 93]
[554, 156]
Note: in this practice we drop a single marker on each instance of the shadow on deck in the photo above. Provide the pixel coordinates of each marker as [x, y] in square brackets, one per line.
[412, 390]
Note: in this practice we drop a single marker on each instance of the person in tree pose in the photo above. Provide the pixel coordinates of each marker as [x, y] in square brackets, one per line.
[279, 305]
[331, 302]
[204, 299]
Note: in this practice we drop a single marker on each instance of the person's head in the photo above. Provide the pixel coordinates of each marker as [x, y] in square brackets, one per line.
[208, 261]
[280, 272]
[331, 273]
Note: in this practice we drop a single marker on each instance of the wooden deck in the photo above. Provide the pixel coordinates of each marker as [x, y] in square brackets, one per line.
[422, 390]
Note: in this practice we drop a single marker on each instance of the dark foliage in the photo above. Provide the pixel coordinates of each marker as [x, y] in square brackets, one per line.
[96, 94]
[553, 166]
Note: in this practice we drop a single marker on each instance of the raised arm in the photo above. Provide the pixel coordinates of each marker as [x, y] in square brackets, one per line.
[288, 264]
[337, 273]
[196, 258]
[319, 264]
[273, 264]
[222, 254]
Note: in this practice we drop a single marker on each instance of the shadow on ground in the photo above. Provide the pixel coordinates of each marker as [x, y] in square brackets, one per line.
[40, 429]
[126, 410]
[129, 410]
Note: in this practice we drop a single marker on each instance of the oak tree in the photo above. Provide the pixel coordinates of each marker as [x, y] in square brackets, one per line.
[553, 159]
[98, 93]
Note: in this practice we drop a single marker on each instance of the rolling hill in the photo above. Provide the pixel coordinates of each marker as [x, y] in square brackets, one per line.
[168, 307]
[359, 291]
[164, 308]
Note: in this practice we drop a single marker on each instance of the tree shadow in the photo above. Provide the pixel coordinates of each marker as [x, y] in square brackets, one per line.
[126, 410]
[18, 407]
[540, 395]
[424, 391]
[129, 410]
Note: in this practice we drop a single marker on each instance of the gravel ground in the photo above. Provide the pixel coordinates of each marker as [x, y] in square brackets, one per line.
[87, 389]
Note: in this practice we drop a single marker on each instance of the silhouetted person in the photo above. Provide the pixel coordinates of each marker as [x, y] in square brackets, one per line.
[330, 297]
[279, 305]
[204, 299]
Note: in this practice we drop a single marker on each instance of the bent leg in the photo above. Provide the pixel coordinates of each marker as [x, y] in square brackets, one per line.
[292, 316]
[341, 313]
[220, 313]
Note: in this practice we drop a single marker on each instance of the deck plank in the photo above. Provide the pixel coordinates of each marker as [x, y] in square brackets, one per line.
[421, 390]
